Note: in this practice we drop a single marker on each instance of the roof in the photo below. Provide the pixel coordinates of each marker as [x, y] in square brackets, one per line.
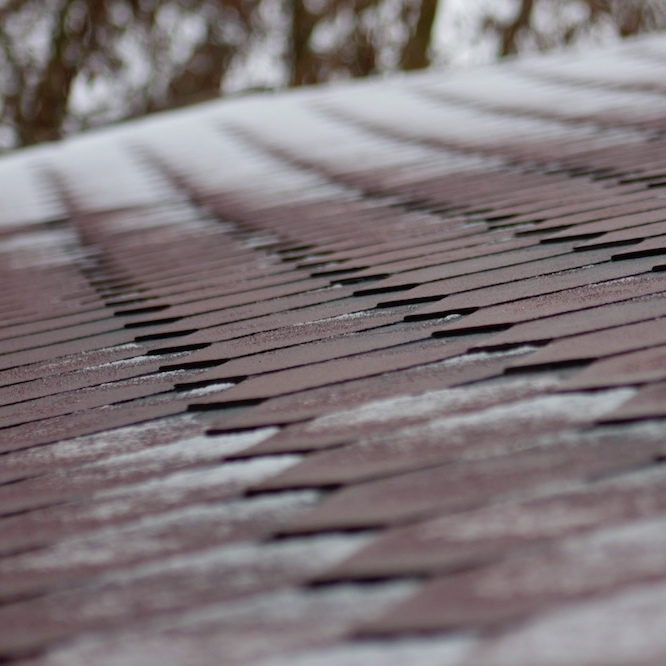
[366, 374]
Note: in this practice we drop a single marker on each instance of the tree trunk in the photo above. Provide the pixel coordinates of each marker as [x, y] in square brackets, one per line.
[45, 113]
[300, 58]
[415, 53]
[510, 32]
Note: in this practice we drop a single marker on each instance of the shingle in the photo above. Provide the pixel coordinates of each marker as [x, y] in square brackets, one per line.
[583, 307]
[469, 484]
[311, 403]
[550, 262]
[35, 623]
[584, 277]
[465, 540]
[176, 532]
[119, 505]
[27, 357]
[648, 403]
[97, 420]
[641, 366]
[339, 370]
[80, 360]
[602, 562]
[586, 346]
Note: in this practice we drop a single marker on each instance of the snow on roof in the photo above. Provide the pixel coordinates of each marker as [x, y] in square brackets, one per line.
[371, 373]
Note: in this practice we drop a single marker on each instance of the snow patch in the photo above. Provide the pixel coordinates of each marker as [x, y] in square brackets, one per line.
[570, 407]
[306, 554]
[192, 448]
[152, 536]
[622, 628]
[433, 402]
[449, 651]
[178, 485]
[207, 390]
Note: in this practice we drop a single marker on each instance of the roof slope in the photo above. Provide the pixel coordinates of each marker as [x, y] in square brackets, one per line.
[367, 374]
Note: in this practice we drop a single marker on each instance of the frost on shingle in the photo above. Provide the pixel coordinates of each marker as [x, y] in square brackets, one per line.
[364, 374]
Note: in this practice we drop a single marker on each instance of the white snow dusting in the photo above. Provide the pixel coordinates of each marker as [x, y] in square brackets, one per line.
[449, 651]
[623, 628]
[433, 402]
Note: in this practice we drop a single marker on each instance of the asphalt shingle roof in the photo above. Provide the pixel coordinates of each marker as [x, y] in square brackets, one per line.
[366, 374]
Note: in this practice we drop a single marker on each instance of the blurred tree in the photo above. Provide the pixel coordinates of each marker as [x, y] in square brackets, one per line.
[71, 64]
[545, 24]
[357, 38]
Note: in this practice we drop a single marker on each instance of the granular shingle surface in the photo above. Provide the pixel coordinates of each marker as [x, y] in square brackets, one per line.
[367, 374]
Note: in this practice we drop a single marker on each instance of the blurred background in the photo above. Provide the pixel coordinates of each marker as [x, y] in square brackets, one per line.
[66, 65]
